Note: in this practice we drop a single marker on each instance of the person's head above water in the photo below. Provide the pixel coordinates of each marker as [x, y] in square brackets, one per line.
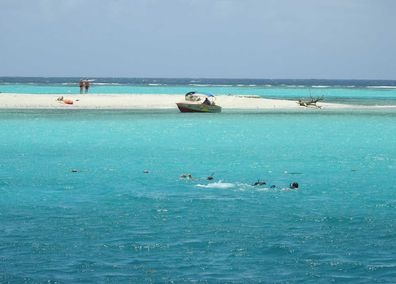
[294, 185]
[186, 176]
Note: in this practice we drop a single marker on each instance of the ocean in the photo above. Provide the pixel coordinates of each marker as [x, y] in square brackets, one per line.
[96, 196]
[362, 92]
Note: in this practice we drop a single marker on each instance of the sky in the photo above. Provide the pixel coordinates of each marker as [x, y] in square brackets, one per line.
[268, 39]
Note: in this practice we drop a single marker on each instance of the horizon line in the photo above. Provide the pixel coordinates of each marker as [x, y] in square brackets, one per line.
[200, 78]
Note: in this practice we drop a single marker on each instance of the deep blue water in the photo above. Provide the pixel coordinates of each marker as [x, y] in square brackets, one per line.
[366, 92]
[111, 222]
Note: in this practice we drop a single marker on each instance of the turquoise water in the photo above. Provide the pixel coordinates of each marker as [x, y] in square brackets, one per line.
[111, 222]
[374, 95]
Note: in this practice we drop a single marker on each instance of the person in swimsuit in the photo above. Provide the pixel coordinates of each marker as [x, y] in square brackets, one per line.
[206, 102]
[86, 86]
[81, 86]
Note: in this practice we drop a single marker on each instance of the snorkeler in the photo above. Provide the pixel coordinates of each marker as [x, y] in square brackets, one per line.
[186, 176]
[258, 182]
[210, 177]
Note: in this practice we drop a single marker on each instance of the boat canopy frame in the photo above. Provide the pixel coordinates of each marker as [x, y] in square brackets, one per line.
[196, 97]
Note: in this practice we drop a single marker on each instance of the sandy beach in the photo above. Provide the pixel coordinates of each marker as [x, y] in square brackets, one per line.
[151, 101]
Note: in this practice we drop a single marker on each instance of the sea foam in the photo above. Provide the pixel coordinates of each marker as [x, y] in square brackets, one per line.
[220, 184]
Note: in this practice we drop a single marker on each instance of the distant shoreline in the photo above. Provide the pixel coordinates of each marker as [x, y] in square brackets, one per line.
[155, 101]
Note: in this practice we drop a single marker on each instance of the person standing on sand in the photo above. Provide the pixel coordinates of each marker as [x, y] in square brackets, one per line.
[86, 86]
[81, 86]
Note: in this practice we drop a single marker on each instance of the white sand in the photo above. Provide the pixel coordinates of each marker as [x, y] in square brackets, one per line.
[154, 101]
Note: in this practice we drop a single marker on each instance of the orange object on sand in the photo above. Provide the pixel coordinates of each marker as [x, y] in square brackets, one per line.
[67, 101]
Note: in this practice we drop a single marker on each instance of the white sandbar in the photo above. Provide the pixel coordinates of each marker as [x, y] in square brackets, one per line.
[148, 101]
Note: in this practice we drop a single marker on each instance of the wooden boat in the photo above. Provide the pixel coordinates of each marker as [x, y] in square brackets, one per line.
[197, 107]
[196, 102]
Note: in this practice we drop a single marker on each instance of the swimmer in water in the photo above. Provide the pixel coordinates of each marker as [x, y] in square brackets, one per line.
[210, 177]
[294, 185]
[258, 182]
[186, 176]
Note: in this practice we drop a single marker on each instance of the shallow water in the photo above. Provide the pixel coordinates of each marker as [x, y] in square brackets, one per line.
[361, 92]
[110, 221]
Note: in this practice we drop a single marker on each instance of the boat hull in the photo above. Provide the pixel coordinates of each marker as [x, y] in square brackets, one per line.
[188, 107]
